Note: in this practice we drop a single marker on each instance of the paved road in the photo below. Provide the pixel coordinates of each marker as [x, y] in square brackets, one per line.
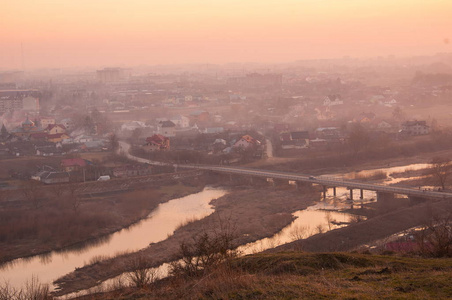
[322, 180]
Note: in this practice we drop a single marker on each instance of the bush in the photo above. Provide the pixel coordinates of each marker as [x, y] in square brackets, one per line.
[141, 275]
[205, 252]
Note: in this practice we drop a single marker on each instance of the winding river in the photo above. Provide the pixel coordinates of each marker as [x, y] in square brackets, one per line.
[165, 219]
[156, 227]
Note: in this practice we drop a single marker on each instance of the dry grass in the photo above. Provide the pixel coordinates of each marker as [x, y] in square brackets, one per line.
[308, 276]
[376, 175]
[55, 224]
[32, 290]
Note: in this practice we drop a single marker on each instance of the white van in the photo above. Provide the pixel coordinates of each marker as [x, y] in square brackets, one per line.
[104, 178]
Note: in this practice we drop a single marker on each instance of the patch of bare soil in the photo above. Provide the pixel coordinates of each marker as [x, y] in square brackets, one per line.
[254, 213]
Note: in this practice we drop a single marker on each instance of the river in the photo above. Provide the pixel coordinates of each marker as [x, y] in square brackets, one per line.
[156, 227]
[168, 216]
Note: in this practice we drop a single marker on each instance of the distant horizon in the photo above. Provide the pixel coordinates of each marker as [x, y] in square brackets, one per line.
[256, 63]
[45, 33]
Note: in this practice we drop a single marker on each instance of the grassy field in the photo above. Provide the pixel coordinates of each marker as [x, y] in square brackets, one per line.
[298, 275]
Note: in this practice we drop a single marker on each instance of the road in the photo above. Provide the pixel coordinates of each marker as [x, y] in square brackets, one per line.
[321, 180]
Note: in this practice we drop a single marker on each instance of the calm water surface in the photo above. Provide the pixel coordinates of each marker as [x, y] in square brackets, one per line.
[156, 227]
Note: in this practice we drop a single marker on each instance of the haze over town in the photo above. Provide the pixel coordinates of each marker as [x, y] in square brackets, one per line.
[156, 148]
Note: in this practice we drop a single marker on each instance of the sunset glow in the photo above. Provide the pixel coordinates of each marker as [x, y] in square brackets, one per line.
[115, 32]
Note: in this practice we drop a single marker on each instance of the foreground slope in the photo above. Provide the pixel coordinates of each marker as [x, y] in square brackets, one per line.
[297, 275]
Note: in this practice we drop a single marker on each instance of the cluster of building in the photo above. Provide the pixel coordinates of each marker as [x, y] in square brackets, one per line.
[45, 137]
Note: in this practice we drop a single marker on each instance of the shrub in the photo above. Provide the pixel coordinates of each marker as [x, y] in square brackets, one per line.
[205, 251]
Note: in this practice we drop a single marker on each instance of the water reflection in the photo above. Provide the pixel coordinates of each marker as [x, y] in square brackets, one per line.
[156, 227]
[307, 223]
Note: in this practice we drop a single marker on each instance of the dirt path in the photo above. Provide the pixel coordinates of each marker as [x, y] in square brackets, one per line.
[254, 213]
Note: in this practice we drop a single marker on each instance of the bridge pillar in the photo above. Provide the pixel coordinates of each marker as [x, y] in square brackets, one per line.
[361, 196]
[385, 201]
[334, 191]
[351, 194]
[324, 192]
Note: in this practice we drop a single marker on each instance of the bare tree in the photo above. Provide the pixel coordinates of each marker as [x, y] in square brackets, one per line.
[73, 199]
[32, 192]
[358, 139]
[206, 250]
[141, 275]
[58, 191]
[441, 169]
[329, 219]
[435, 238]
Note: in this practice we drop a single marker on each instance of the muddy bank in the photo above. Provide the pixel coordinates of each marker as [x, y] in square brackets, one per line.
[253, 213]
[55, 226]
[366, 232]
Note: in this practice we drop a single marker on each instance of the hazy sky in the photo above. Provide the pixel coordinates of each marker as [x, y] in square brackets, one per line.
[66, 33]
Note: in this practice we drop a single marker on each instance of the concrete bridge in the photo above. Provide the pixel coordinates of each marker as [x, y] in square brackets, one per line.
[325, 181]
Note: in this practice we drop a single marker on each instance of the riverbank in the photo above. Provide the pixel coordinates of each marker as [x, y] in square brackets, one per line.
[253, 213]
[58, 225]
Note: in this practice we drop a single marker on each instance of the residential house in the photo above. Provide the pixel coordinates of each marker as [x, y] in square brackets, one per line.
[327, 133]
[197, 117]
[246, 142]
[365, 117]
[93, 146]
[167, 128]
[391, 102]
[332, 100]
[74, 164]
[384, 126]
[46, 121]
[157, 142]
[67, 123]
[49, 150]
[49, 177]
[181, 121]
[213, 130]
[294, 140]
[83, 139]
[281, 127]
[55, 128]
[415, 128]
[57, 137]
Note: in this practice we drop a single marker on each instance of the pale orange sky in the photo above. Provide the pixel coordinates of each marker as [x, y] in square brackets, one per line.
[68, 33]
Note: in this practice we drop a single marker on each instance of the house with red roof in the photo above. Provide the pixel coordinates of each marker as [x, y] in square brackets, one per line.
[74, 164]
[157, 142]
[246, 141]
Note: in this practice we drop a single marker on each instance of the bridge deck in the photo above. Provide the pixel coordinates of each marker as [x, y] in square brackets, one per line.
[322, 180]
[325, 180]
